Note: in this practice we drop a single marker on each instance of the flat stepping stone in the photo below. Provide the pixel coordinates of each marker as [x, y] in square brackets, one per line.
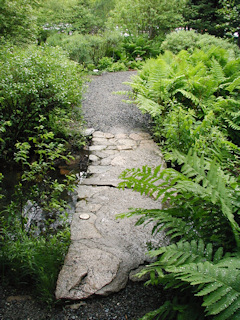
[105, 251]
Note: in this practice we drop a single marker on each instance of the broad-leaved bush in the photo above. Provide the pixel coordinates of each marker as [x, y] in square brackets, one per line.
[37, 82]
[190, 40]
[88, 49]
[34, 225]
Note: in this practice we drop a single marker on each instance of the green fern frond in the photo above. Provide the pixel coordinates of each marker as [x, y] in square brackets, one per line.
[176, 83]
[180, 254]
[160, 68]
[211, 275]
[233, 125]
[228, 105]
[194, 167]
[213, 188]
[152, 182]
[165, 220]
[217, 71]
[184, 307]
[185, 252]
[218, 284]
[235, 84]
[232, 67]
[197, 70]
[157, 90]
[139, 87]
[199, 179]
[190, 96]
[232, 113]
[148, 106]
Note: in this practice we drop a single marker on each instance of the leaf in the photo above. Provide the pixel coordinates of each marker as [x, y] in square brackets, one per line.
[217, 71]
[189, 96]
[234, 84]
[218, 286]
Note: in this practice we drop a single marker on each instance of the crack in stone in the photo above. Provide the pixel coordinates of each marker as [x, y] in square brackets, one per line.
[80, 282]
[103, 185]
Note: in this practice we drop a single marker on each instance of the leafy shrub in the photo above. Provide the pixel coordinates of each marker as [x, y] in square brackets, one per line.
[202, 221]
[38, 185]
[104, 63]
[179, 40]
[91, 49]
[37, 82]
[140, 46]
[134, 65]
[88, 49]
[76, 45]
[117, 66]
[97, 45]
[107, 64]
[190, 40]
[114, 45]
[35, 234]
[17, 23]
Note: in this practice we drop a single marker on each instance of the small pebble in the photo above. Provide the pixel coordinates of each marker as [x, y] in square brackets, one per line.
[84, 216]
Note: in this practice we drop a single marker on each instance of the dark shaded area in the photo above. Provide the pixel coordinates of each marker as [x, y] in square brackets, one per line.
[130, 303]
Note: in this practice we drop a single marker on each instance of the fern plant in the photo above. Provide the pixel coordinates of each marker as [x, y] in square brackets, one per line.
[201, 219]
[193, 99]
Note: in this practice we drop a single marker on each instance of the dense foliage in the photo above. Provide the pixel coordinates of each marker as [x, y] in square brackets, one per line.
[193, 98]
[35, 233]
[203, 16]
[91, 50]
[88, 49]
[219, 18]
[33, 260]
[40, 115]
[190, 40]
[201, 219]
[17, 22]
[230, 18]
[152, 17]
[37, 83]
[85, 17]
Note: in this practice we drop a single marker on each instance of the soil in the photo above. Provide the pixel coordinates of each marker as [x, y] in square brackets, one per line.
[131, 303]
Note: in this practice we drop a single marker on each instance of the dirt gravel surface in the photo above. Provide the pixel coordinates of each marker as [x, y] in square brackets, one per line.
[130, 303]
[103, 111]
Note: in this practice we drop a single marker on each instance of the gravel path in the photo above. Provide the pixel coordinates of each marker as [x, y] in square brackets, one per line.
[106, 112]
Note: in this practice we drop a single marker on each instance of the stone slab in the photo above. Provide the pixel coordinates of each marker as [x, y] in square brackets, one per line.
[104, 250]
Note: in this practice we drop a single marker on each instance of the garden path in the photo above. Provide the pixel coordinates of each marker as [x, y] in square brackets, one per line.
[105, 252]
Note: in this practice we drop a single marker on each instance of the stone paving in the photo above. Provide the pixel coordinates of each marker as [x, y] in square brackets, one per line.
[105, 252]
